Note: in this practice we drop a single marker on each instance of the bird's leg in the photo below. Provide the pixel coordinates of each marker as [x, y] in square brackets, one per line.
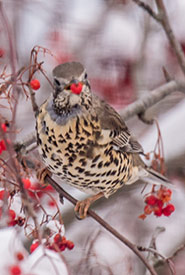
[42, 173]
[82, 207]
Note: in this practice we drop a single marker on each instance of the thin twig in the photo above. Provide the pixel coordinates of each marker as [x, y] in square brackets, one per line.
[162, 18]
[98, 219]
[179, 249]
[166, 74]
[176, 46]
[156, 253]
[147, 8]
[33, 101]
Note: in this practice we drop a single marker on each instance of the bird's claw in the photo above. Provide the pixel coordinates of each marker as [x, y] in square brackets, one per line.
[42, 173]
[81, 208]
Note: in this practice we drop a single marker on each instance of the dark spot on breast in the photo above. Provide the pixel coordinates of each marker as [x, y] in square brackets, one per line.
[106, 164]
[86, 132]
[113, 172]
[85, 122]
[79, 169]
[95, 181]
[50, 139]
[96, 158]
[116, 161]
[54, 143]
[59, 174]
[67, 135]
[108, 173]
[43, 154]
[62, 141]
[100, 164]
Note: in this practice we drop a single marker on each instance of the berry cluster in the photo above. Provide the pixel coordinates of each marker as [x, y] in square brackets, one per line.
[34, 191]
[59, 243]
[15, 270]
[158, 203]
[36, 188]
[13, 218]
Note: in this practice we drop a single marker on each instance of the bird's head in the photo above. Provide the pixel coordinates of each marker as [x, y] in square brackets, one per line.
[70, 86]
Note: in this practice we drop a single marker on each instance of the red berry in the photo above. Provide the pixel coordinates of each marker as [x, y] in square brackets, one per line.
[159, 203]
[62, 247]
[27, 183]
[4, 128]
[12, 223]
[2, 193]
[15, 270]
[164, 194]
[76, 88]
[64, 241]
[148, 210]
[12, 214]
[19, 256]
[158, 211]
[1, 52]
[20, 221]
[49, 188]
[168, 210]
[70, 245]
[35, 84]
[34, 246]
[57, 238]
[2, 145]
[51, 203]
[151, 200]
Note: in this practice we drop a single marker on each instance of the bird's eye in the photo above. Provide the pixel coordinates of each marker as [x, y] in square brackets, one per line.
[57, 83]
[85, 76]
[67, 87]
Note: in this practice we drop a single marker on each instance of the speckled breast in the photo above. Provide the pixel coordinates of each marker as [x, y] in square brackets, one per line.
[77, 152]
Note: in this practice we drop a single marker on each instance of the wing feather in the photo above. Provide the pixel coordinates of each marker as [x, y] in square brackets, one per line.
[112, 121]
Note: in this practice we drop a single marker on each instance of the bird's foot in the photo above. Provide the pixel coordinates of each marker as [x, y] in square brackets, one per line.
[82, 207]
[41, 175]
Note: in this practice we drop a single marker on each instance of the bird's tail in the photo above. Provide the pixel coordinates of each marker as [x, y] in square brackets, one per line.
[148, 174]
[155, 177]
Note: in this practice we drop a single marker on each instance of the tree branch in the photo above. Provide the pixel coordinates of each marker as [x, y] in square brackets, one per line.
[147, 8]
[162, 18]
[153, 97]
[98, 219]
[170, 34]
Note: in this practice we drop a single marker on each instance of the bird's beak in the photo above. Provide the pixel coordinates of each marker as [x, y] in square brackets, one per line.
[74, 81]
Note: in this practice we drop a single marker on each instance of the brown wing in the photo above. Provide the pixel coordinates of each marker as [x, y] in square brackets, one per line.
[111, 120]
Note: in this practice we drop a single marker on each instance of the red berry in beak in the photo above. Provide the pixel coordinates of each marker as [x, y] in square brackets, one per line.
[76, 88]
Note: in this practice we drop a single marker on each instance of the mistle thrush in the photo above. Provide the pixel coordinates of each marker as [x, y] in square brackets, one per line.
[84, 141]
